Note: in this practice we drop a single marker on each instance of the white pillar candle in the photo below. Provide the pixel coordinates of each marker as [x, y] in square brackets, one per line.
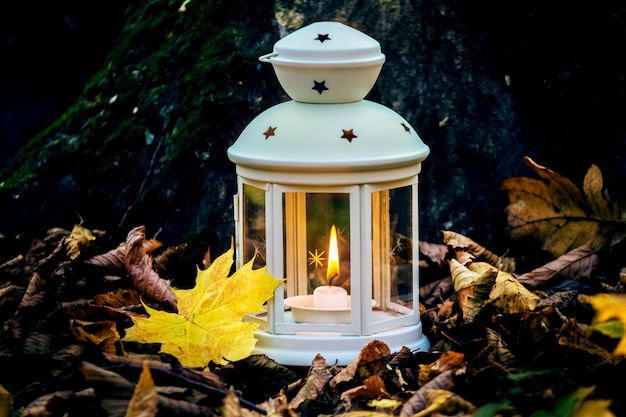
[330, 297]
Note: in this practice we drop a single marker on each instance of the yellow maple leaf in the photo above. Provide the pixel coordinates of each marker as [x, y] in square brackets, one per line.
[607, 307]
[209, 325]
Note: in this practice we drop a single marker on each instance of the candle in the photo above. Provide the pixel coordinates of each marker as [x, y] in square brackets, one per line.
[330, 296]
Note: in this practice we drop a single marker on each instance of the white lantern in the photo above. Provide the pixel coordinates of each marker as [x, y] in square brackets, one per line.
[328, 200]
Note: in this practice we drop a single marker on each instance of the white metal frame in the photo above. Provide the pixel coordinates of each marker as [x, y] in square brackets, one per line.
[367, 225]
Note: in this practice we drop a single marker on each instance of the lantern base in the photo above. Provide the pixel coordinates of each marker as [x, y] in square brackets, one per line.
[301, 349]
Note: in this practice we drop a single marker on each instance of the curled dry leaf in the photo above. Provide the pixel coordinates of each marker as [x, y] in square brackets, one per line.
[473, 288]
[457, 241]
[143, 277]
[507, 294]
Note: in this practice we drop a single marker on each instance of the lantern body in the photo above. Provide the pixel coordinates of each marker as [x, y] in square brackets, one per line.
[328, 200]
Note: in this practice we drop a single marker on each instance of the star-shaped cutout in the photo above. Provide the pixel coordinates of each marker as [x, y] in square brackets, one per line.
[399, 245]
[319, 87]
[316, 258]
[270, 132]
[348, 134]
[322, 37]
[259, 248]
[406, 128]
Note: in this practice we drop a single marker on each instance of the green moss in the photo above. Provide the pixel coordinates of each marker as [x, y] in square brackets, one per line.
[147, 138]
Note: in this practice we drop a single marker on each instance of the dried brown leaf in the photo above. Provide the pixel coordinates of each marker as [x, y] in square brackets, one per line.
[150, 245]
[143, 277]
[372, 358]
[318, 377]
[457, 241]
[231, 406]
[144, 400]
[107, 383]
[113, 259]
[36, 300]
[363, 413]
[507, 293]
[51, 404]
[419, 401]
[103, 334]
[472, 287]
[435, 292]
[372, 388]
[10, 297]
[121, 298]
[575, 335]
[577, 264]
[445, 402]
[166, 263]
[38, 343]
[13, 266]
[278, 406]
[499, 352]
[448, 361]
[556, 212]
[435, 253]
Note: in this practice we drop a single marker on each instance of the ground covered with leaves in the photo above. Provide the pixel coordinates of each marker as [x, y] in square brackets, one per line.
[537, 332]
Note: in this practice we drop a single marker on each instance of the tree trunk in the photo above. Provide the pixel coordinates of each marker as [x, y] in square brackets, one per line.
[484, 85]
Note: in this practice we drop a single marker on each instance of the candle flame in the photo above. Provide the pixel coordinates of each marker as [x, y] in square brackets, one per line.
[333, 256]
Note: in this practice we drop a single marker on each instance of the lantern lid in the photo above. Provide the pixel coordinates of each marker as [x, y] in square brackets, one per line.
[327, 43]
[348, 143]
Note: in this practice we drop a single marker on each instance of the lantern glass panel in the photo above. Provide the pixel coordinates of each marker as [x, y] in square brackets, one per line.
[392, 257]
[309, 217]
[254, 227]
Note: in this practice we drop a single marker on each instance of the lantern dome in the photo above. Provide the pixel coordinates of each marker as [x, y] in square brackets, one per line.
[305, 143]
[326, 62]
